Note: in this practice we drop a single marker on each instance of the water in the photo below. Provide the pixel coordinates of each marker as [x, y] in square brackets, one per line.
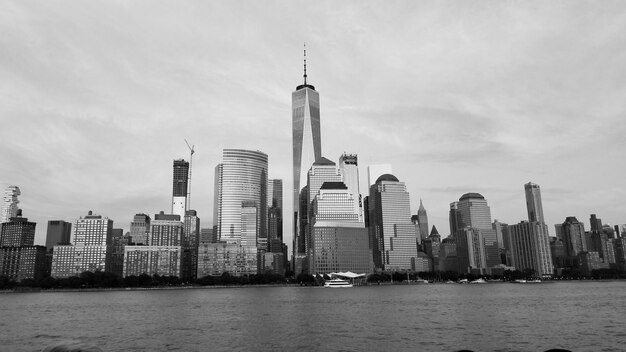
[580, 316]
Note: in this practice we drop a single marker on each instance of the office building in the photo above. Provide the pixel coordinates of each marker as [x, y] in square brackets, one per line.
[140, 229]
[180, 186]
[596, 223]
[17, 232]
[574, 241]
[59, 232]
[163, 254]
[9, 203]
[530, 247]
[349, 169]
[339, 239]
[243, 181]
[533, 202]
[307, 148]
[190, 242]
[454, 218]
[472, 211]
[422, 220]
[275, 215]
[392, 235]
[92, 249]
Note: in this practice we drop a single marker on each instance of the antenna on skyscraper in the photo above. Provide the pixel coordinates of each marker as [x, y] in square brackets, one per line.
[191, 150]
[304, 63]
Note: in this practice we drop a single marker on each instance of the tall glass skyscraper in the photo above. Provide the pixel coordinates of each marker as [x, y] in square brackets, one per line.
[307, 147]
[243, 182]
[473, 212]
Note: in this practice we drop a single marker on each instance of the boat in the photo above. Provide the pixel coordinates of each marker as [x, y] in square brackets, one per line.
[520, 281]
[479, 281]
[337, 283]
[463, 281]
[534, 281]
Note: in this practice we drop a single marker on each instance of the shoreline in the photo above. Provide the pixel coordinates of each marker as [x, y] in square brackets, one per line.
[198, 287]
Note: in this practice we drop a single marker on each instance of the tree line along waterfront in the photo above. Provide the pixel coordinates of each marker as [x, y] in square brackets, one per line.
[106, 280]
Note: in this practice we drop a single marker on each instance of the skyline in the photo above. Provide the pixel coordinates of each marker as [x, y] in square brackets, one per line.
[91, 95]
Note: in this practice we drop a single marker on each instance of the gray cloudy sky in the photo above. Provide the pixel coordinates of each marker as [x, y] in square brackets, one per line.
[96, 99]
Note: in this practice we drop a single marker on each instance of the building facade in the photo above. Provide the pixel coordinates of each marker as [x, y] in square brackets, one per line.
[530, 247]
[534, 205]
[392, 235]
[180, 183]
[91, 250]
[140, 229]
[218, 258]
[9, 203]
[307, 147]
[59, 232]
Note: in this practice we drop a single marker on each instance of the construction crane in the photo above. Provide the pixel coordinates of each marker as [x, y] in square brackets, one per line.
[191, 150]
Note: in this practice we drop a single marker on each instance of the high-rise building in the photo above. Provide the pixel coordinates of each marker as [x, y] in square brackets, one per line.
[453, 218]
[470, 250]
[116, 259]
[179, 188]
[422, 220]
[349, 169]
[191, 239]
[339, 239]
[307, 146]
[140, 229]
[322, 171]
[392, 235]
[472, 211]
[574, 240]
[530, 247]
[163, 254]
[533, 202]
[19, 258]
[243, 181]
[596, 223]
[275, 215]
[9, 203]
[92, 238]
[59, 232]
[17, 232]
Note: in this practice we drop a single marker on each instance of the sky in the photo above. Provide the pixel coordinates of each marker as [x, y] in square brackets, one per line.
[98, 97]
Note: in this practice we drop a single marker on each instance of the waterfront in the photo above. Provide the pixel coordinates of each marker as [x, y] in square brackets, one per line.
[580, 316]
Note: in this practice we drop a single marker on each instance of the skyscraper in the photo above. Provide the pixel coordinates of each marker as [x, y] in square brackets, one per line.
[349, 168]
[393, 237]
[9, 203]
[243, 182]
[191, 238]
[307, 147]
[473, 212]
[422, 220]
[533, 202]
[530, 247]
[574, 241]
[91, 250]
[179, 189]
[275, 215]
[339, 240]
[59, 232]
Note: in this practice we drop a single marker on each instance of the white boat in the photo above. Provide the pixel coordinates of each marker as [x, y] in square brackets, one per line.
[520, 281]
[337, 283]
[479, 281]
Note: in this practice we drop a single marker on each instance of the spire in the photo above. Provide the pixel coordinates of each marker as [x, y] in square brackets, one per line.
[305, 63]
[421, 208]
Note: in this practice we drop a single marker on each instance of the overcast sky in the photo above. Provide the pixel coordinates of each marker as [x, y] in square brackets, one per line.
[97, 97]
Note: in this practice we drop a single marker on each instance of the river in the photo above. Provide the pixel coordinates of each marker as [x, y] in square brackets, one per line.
[579, 316]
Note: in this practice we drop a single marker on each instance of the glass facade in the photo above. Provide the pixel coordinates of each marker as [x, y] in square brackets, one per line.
[307, 147]
[243, 179]
[533, 202]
